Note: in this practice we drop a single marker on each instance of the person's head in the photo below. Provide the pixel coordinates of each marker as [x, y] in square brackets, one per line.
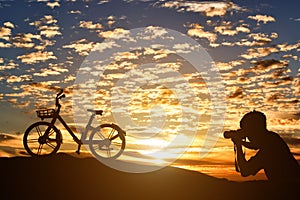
[253, 124]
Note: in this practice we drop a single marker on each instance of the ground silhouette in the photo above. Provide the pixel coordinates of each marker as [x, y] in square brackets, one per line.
[63, 176]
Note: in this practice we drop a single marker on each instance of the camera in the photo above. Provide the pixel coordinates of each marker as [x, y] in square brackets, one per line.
[235, 134]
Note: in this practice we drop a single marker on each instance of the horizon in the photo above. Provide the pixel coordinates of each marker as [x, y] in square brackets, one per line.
[254, 47]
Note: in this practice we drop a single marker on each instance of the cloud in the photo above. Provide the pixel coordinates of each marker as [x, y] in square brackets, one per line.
[43, 44]
[25, 40]
[288, 47]
[7, 66]
[209, 9]
[267, 65]
[9, 25]
[262, 18]
[237, 93]
[82, 47]
[75, 12]
[225, 66]
[90, 25]
[52, 70]
[5, 33]
[295, 19]
[14, 79]
[36, 57]
[111, 20]
[273, 97]
[259, 52]
[5, 45]
[263, 38]
[196, 30]
[18, 79]
[49, 31]
[114, 34]
[53, 4]
[47, 26]
[226, 29]
[296, 86]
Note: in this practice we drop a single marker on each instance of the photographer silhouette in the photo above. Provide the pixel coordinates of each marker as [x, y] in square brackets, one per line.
[273, 154]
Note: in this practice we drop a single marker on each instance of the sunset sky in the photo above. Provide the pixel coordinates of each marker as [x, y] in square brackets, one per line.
[255, 45]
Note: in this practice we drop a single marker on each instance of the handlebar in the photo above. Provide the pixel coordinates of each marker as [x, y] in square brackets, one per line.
[59, 96]
[60, 92]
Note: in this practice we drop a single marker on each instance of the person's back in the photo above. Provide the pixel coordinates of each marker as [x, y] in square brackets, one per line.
[277, 160]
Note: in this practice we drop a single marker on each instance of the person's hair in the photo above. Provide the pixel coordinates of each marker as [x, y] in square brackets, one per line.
[254, 119]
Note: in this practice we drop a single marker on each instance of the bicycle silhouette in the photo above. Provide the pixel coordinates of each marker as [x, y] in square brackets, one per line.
[106, 141]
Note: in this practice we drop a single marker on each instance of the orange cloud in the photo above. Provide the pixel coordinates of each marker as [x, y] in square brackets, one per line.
[36, 57]
[262, 18]
[5, 45]
[226, 29]
[267, 65]
[5, 33]
[25, 40]
[53, 4]
[259, 52]
[10, 65]
[90, 25]
[224, 66]
[49, 31]
[53, 69]
[288, 47]
[82, 47]
[262, 37]
[296, 86]
[47, 26]
[9, 25]
[237, 93]
[207, 8]
[115, 34]
[197, 31]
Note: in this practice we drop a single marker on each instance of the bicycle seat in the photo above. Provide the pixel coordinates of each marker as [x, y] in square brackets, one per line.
[97, 112]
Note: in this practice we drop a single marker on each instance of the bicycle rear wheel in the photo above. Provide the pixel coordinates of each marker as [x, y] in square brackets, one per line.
[37, 142]
[107, 141]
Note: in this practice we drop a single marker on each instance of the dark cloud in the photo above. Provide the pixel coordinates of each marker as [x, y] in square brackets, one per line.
[238, 93]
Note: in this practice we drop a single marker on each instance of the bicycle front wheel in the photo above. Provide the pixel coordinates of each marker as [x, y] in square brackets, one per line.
[107, 141]
[42, 138]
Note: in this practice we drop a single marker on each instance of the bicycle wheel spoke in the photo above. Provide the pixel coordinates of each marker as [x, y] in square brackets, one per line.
[111, 133]
[51, 145]
[96, 147]
[100, 135]
[51, 132]
[40, 149]
[32, 140]
[114, 137]
[38, 130]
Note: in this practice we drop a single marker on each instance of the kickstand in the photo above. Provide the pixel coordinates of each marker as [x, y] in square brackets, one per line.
[78, 149]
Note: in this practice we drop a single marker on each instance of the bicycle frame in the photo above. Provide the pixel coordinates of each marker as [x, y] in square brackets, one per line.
[56, 116]
[103, 138]
[83, 138]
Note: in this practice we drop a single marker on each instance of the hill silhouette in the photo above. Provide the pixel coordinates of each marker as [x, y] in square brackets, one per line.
[66, 177]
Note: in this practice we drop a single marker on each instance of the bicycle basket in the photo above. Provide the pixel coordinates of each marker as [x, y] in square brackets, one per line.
[45, 113]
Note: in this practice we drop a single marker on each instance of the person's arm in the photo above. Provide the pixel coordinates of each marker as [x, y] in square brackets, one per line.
[249, 145]
[250, 167]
